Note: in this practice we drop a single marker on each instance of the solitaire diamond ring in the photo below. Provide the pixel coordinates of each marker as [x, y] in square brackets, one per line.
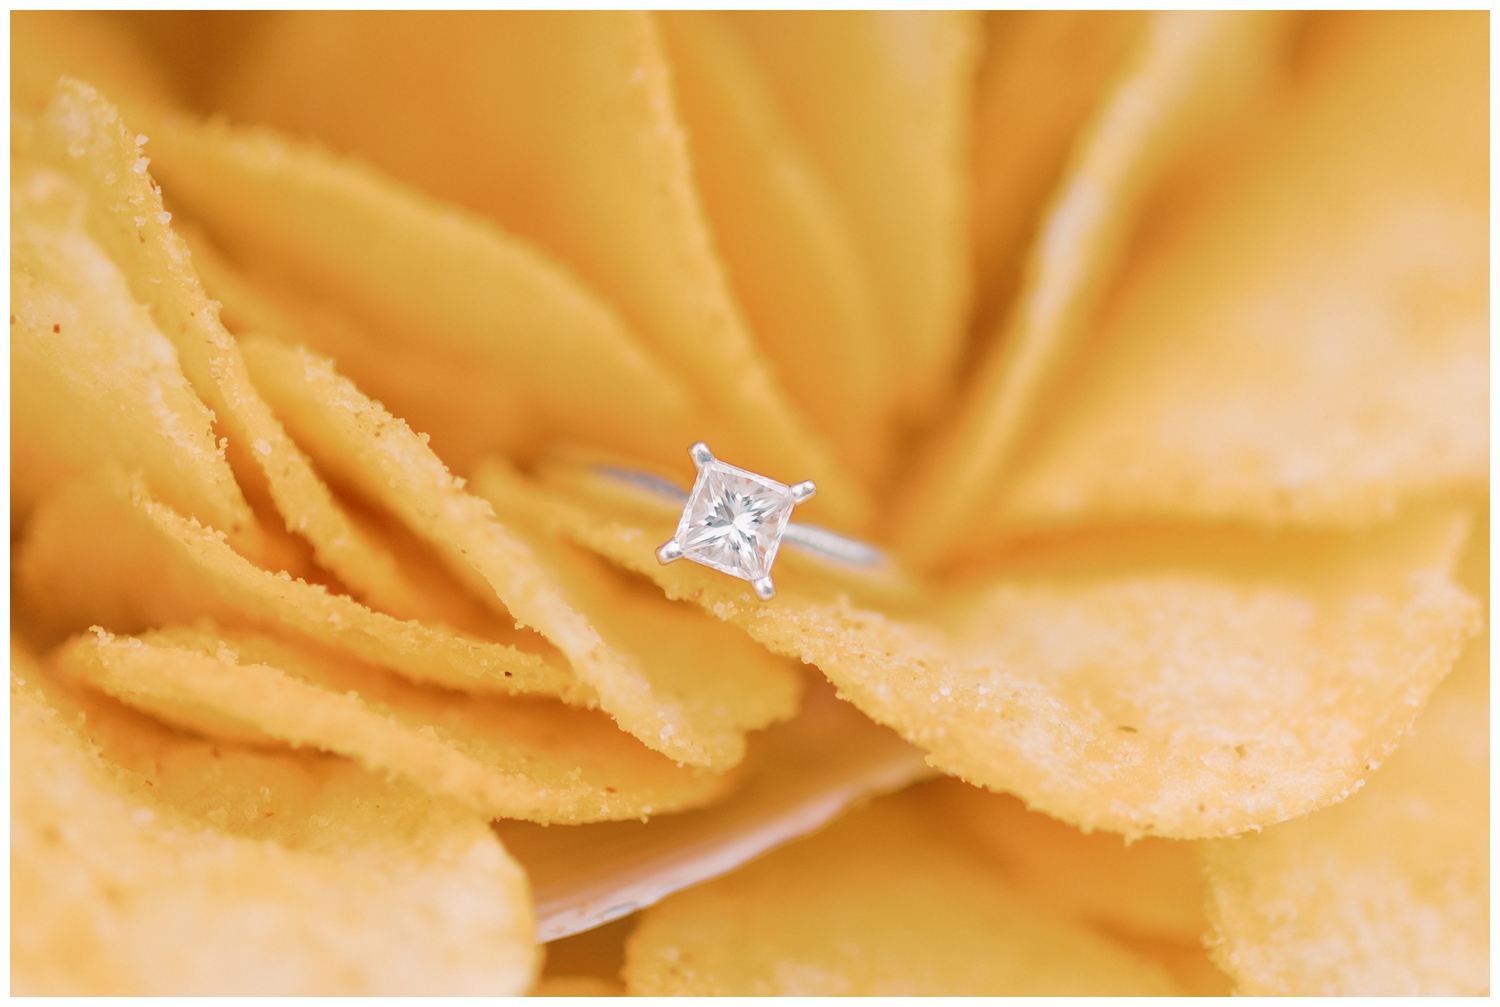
[735, 521]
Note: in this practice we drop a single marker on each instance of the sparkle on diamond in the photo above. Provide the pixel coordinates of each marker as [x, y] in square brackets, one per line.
[734, 520]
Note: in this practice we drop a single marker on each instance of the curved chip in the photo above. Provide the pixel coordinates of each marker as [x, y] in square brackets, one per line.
[1149, 888]
[1387, 894]
[433, 281]
[561, 126]
[92, 378]
[1184, 687]
[537, 761]
[1313, 347]
[82, 135]
[667, 676]
[94, 544]
[164, 865]
[787, 245]
[882, 903]
[46, 45]
[881, 101]
[1190, 74]
[1042, 76]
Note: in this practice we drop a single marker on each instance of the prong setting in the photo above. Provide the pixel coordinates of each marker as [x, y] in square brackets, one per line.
[701, 455]
[803, 491]
[764, 588]
[669, 552]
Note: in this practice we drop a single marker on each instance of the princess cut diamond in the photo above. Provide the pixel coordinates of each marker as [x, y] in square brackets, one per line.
[733, 521]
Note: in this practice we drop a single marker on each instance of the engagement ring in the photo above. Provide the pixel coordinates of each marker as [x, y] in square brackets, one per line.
[734, 521]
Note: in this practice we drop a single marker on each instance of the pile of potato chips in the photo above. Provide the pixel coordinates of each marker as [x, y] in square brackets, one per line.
[1154, 348]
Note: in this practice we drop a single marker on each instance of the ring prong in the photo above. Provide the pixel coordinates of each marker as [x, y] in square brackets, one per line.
[803, 491]
[668, 552]
[701, 455]
[764, 588]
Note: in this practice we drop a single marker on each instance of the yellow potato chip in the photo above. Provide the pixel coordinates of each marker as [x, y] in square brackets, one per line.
[562, 127]
[797, 778]
[1042, 76]
[92, 379]
[94, 544]
[46, 45]
[669, 677]
[1149, 888]
[788, 249]
[83, 136]
[588, 962]
[881, 101]
[429, 280]
[144, 862]
[576, 986]
[1190, 74]
[537, 761]
[451, 402]
[1313, 347]
[1386, 894]
[1183, 687]
[884, 902]
[194, 48]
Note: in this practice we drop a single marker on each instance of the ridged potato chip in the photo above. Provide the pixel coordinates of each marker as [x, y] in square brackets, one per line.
[1189, 75]
[1388, 893]
[1184, 688]
[92, 378]
[429, 280]
[145, 862]
[882, 903]
[82, 135]
[1312, 347]
[562, 127]
[533, 760]
[669, 677]
[881, 101]
[91, 543]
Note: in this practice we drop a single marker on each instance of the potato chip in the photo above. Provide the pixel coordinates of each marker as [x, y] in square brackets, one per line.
[93, 380]
[562, 127]
[1386, 894]
[1190, 73]
[46, 45]
[90, 546]
[83, 136]
[1313, 347]
[164, 865]
[576, 986]
[1185, 687]
[194, 48]
[429, 280]
[1042, 76]
[1149, 888]
[676, 681]
[797, 777]
[452, 403]
[882, 903]
[503, 758]
[789, 251]
[589, 962]
[881, 101]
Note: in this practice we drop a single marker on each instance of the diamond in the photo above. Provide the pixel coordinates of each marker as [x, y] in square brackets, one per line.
[734, 521]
